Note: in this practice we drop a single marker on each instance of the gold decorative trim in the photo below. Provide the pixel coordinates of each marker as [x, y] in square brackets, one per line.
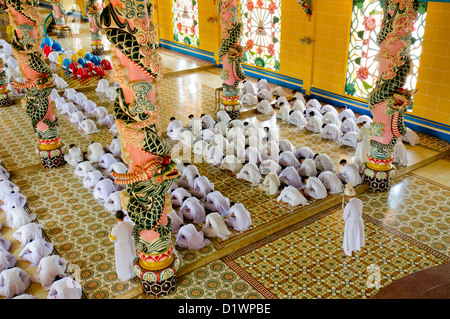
[378, 167]
[156, 265]
[49, 147]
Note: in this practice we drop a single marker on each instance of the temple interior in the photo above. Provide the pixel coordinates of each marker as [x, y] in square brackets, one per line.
[288, 252]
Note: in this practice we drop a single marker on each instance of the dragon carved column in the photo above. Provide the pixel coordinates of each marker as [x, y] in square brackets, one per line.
[389, 100]
[93, 11]
[5, 98]
[231, 54]
[59, 14]
[138, 69]
[26, 38]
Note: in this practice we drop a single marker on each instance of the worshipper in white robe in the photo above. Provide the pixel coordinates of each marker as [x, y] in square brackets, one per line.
[17, 216]
[363, 146]
[106, 160]
[248, 87]
[313, 112]
[79, 98]
[264, 107]
[222, 116]
[349, 173]
[207, 134]
[220, 128]
[177, 221]
[50, 268]
[252, 155]
[411, 137]
[200, 148]
[314, 187]
[102, 86]
[202, 187]
[113, 203]
[287, 158]
[304, 151]
[13, 282]
[189, 237]
[297, 118]
[35, 250]
[262, 84]
[278, 91]
[54, 95]
[216, 202]
[104, 188]
[238, 217]
[124, 249]
[27, 233]
[282, 101]
[13, 199]
[188, 176]
[249, 129]
[193, 209]
[111, 93]
[250, 173]
[292, 196]
[269, 150]
[286, 145]
[264, 94]
[314, 123]
[100, 112]
[114, 148]
[237, 148]
[299, 106]
[313, 103]
[219, 140]
[269, 166]
[400, 154]
[74, 156]
[346, 113]
[328, 108]
[60, 82]
[194, 125]
[94, 152]
[6, 187]
[7, 260]
[174, 128]
[186, 138]
[349, 125]
[68, 109]
[363, 118]
[207, 121]
[60, 102]
[232, 164]
[332, 118]
[88, 126]
[235, 133]
[271, 184]
[283, 113]
[113, 129]
[118, 167]
[350, 139]
[308, 167]
[331, 131]
[323, 163]
[215, 226]
[236, 123]
[214, 155]
[69, 93]
[331, 182]
[249, 99]
[107, 121]
[65, 288]
[178, 196]
[290, 177]
[5, 244]
[354, 238]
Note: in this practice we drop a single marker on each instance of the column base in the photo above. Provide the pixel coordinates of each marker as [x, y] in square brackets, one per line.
[379, 181]
[159, 282]
[97, 51]
[234, 111]
[6, 101]
[63, 32]
[51, 158]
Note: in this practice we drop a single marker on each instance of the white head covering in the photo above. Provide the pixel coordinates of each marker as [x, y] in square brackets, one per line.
[349, 190]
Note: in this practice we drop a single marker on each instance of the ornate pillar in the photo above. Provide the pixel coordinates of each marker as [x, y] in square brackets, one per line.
[26, 39]
[59, 14]
[138, 69]
[5, 98]
[231, 54]
[93, 11]
[389, 100]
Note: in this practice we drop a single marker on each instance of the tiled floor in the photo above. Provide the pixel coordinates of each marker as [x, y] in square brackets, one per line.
[288, 252]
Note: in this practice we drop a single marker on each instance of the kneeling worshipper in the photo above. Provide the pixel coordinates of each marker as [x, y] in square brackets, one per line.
[35, 250]
[328, 108]
[77, 117]
[262, 84]
[7, 260]
[314, 187]
[27, 233]
[313, 103]
[231, 163]
[332, 118]
[286, 145]
[200, 148]
[177, 221]
[68, 109]
[313, 112]
[222, 116]
[14, 282]
[290, 177]
[124, 249]
[363, 119]
[282, 101]
[297, 118]
[118, 167]
[269, 150]
[190, 173]
[248, 87]
[271, 184]
[250, 173]
[104, 188]
[265, 95]
[249, 99]
[79, 98]
[411, 137]
[207, 134]
[107, 121]
[214, 155]
[207, 121]
[278, 91]
[113, 203]
[331, 182]
[189, 237]
[13, 199]
[106, 160]
[331, 131]
[304, 151]
[65, 288]
[354, 225]
[400, 154]
[292, 196]
[50, 268]
[264, 107]
[74, 156]
[215, 226]
[323, 163]
[216, 202]
[102, 86]
[238, 217]
[6, 187]
[283, 113]
[349, 125]
[299, 106]
[202, 187]
[287, 159]
[5, 244]
[349, 173]
[269, 166]
[174, 129]
[193, 209]
[17, 216]
[346, 113]
[252, 154]
[100, 112]
[314, 123]
[88, 126]
[94, 152]
[350, 139]
[308, 167]
[89, 106]
[194, 125]
[114, 148]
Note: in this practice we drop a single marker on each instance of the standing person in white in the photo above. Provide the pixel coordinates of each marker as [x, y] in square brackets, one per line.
[363, 146]
[124, 250]
[354, 225]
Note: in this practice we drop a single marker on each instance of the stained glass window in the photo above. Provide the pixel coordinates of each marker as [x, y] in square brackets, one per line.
[262, 30]
[362, 67]
[185, 21]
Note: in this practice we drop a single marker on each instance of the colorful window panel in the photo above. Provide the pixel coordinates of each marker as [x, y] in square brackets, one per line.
[362, 69]
[185, 21]
[261, 30]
